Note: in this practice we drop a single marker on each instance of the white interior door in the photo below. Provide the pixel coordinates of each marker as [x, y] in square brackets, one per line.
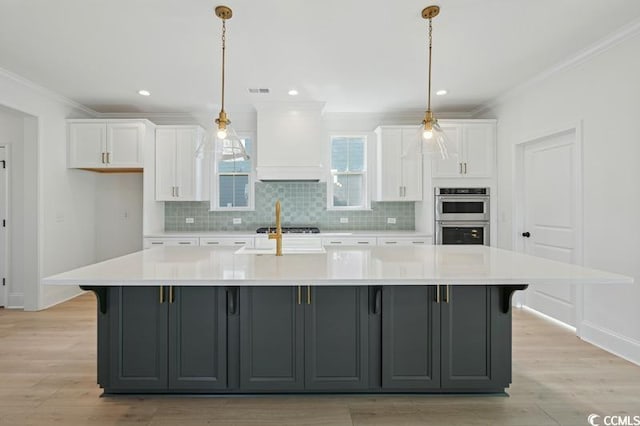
[3, 229]
[550, 196]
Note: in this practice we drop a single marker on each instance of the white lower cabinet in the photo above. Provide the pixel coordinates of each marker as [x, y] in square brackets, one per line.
[169, 241]
[404, 241]
[227, 241]
[349, 241]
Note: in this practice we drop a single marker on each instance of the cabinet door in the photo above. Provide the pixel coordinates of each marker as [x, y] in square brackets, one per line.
[138, 340]
[198, 338]
[450, 167]
[186, 145]
[336, 338]
[124, 144]
[87, 143]
[389, 165]
[411, 165]
[479, 149]
[476, 340]
[165, 164]
[410, 338]
[271, 339]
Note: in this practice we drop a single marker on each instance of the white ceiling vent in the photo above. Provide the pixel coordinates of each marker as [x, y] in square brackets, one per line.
[258, 90]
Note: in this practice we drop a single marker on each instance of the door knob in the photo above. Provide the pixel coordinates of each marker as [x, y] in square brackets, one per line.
[526, 234]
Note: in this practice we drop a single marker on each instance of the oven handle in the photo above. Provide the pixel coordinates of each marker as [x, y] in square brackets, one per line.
[465, 199]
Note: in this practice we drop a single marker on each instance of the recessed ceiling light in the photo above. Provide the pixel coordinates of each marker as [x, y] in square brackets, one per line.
[293, 92]
[441, 92]
[144, 93]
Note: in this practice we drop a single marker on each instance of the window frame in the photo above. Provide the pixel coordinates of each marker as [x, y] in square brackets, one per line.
[215, 179]
[366, 199]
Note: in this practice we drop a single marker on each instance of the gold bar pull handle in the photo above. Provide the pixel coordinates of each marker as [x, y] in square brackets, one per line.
[172, 296]
[299, 295]
[308, 295]
[161, 294]
[437, 294]
[448, 295]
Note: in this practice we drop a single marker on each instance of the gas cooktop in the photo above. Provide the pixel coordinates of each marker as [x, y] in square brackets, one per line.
[290, 230]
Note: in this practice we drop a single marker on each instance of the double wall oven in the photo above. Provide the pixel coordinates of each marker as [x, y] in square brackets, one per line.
[462, 215]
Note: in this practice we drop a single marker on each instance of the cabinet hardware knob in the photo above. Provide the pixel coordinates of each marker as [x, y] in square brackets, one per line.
[526, 234]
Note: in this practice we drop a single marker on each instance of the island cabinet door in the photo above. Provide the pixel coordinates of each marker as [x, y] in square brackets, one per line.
[336, 338]
[476, 340]
[138, 339]
[271, 339]
[197, 338]
[410, 338]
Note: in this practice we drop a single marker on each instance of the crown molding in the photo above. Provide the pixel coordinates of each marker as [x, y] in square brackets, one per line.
[50, 94]
[608, 42]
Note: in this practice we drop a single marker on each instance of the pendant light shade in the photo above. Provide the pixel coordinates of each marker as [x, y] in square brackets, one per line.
[435, 143]
[224, 141]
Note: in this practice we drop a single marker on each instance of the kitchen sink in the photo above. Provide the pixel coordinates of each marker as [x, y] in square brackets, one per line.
[285, 250]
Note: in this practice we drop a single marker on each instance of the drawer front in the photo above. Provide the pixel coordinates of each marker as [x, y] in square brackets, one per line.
[350, 241]
[227, 242]
[289, 242]
[404, 241]
[156, 242]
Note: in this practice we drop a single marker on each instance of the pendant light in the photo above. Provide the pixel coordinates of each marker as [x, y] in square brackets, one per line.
[228, 146]
[435, 141]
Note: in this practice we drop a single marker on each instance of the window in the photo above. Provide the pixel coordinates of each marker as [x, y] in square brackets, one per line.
[233, 186]
[347, 188]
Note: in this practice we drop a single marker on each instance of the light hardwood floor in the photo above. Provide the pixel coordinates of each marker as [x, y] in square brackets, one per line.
[48, 377]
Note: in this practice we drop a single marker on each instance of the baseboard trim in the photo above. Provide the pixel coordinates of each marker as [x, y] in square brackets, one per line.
[15, 301]
[610, 341]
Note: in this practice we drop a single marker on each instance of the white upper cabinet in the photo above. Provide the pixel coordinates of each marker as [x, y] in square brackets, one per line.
[476, 140]
[399, 164]
[106, 144]
[181, 175]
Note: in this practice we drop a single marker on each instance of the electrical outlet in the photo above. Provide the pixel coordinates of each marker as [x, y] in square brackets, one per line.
[237, 220]
[189, 220]
[344, 220]
[391, 220]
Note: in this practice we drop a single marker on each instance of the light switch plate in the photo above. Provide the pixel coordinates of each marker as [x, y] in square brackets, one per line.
[237, 220]
[344, 220]
[189, 220]
[391, 220]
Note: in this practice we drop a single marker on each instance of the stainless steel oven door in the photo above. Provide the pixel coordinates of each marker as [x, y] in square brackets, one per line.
[462, 208]
[448, 233]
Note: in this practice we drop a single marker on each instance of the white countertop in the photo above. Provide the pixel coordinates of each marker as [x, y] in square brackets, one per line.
[237, 234]
[423, 265]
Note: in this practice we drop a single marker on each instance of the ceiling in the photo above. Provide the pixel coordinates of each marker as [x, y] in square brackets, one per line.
[356, 55]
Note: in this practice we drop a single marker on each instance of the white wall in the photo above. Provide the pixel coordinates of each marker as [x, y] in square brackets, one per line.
[59, 205]
[603, 94]
[119, 203]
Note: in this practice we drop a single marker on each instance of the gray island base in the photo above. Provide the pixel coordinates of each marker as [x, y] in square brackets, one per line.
[429, 319]
[304, 339]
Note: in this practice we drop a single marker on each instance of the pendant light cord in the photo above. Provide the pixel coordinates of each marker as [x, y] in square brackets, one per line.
[429, 84]
[224, 47]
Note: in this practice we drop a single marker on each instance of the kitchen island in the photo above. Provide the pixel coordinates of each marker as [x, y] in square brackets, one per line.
[431, 319]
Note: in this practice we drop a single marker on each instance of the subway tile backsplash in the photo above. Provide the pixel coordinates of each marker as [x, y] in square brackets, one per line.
[303, 203]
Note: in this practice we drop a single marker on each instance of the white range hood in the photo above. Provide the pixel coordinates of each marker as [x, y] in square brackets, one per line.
[292, 143]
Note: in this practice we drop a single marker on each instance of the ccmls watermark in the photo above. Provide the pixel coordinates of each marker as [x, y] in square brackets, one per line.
[613, 420]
